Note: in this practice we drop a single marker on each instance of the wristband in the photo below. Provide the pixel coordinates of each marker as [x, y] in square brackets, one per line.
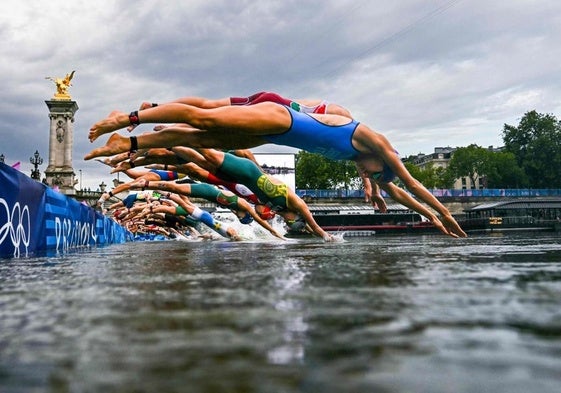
[133, 118]
[134, 144]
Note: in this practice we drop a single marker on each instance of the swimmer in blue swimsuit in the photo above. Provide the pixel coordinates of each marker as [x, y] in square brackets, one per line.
[308, 133]
[131, 199]
[244, 127]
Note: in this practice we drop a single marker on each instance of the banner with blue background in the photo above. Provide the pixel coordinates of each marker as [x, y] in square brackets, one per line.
[35, 218]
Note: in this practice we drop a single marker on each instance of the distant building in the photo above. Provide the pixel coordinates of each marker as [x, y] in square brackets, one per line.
[441, 159]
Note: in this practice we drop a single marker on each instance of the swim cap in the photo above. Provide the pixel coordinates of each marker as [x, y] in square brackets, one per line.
[386, 175]
[247, 219]
[266, 213]
[296, 225]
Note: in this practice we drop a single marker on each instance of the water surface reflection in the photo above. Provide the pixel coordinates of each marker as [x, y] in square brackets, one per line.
[386, 314]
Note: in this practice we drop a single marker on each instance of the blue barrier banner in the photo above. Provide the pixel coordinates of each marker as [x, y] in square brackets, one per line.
[21, 202]
[33, 218]
[470, 193]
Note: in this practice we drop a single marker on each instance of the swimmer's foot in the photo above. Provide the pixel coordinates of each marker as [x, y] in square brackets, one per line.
[115, 144]
[115, 121]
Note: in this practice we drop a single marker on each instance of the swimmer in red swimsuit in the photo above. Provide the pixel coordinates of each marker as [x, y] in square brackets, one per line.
[301, 105]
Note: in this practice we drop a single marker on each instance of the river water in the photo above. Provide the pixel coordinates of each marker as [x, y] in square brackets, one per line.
[376, 314]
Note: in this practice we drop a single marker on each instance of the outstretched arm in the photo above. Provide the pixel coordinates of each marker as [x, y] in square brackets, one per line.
[372, 191]
[246, 206]
[451, 225]
[383, 149]
[400, 196]
[298, 205]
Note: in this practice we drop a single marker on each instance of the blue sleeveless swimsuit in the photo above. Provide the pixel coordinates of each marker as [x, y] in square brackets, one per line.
[307, 133]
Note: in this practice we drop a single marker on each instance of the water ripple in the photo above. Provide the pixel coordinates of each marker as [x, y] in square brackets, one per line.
[388, 314]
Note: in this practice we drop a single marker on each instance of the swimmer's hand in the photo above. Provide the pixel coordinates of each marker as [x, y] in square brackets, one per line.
[233, 235]
[452, 226]
[278, 235]
[332, 238]
[379, 202]
[448, 225]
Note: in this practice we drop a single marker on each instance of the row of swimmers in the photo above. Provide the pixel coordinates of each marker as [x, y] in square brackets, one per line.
[232, 180]
[208, 127]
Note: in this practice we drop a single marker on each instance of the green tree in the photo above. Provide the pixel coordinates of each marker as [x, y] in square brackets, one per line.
[469, 162]
[345, 175]
[431, 176]
[314, 171]
[536, 145]
[502, 171]
[414, 170]
[426, 175]
[444, 178]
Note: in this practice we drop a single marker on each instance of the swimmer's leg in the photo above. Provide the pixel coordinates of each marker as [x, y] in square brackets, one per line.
[207, 219]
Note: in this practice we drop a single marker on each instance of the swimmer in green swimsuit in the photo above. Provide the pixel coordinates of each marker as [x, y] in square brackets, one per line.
[239, 206]
[271, 191]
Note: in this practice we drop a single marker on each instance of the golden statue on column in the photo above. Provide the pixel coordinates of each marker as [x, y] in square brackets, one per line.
[62, 85]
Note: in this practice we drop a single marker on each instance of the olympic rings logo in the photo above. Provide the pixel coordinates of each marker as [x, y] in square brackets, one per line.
[18, 226]
[69, 233]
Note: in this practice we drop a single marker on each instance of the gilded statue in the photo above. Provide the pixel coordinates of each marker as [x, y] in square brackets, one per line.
[62, 85]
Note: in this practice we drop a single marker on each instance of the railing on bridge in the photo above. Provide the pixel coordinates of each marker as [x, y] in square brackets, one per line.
[484, 193]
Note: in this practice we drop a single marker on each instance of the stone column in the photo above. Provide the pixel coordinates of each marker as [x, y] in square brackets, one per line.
[59, 171]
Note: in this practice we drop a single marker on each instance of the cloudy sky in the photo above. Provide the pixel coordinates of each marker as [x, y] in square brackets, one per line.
[425, 73]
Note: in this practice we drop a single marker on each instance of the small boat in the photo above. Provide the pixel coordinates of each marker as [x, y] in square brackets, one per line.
[540, 214]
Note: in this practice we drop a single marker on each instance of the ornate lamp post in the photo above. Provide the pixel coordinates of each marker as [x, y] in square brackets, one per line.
[36, 160]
